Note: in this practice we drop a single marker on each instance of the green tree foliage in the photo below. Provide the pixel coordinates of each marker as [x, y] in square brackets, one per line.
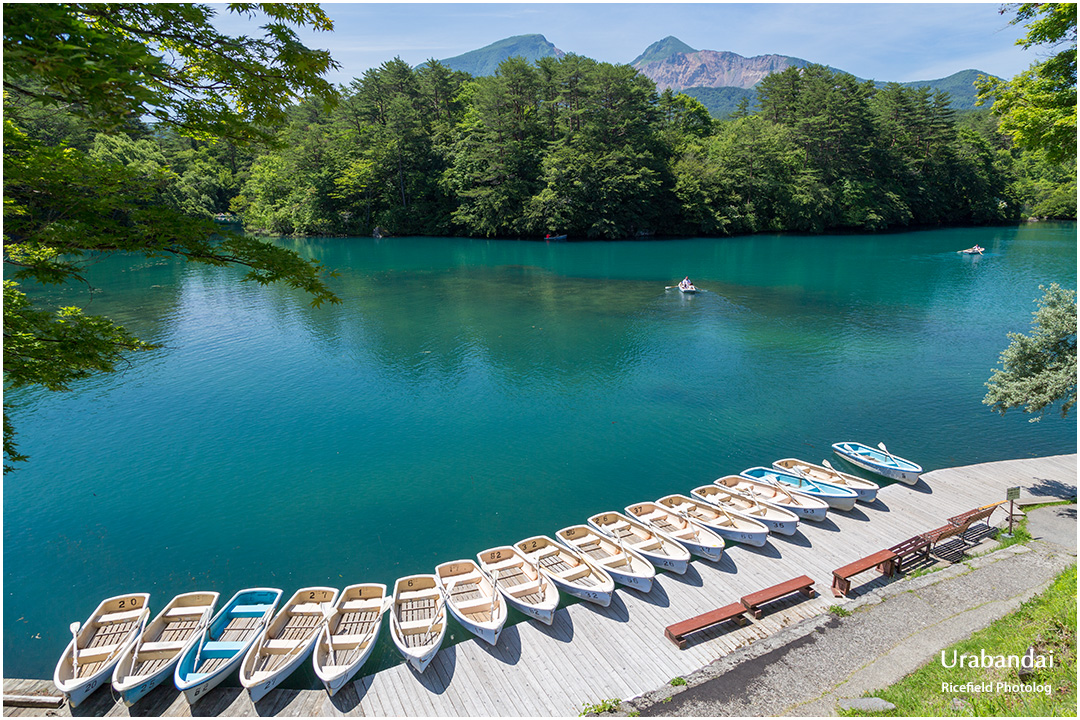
[73, 69]
[1039, 369]
[1038, 106]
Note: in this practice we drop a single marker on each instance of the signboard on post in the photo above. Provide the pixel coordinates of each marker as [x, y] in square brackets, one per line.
[1012, 494]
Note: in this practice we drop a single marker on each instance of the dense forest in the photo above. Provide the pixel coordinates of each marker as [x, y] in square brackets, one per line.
[589, 149]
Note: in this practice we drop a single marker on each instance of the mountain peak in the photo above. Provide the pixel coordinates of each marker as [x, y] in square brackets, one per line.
[661, 49]
[486, 60]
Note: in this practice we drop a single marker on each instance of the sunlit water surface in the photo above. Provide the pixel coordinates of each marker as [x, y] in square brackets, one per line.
[470, 393]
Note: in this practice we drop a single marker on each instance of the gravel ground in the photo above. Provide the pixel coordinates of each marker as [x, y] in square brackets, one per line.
[808, 668]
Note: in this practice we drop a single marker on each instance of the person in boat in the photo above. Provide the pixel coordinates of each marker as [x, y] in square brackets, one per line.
[686, 283]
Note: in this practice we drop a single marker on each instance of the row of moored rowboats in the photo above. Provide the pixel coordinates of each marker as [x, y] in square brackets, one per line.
[199, 648]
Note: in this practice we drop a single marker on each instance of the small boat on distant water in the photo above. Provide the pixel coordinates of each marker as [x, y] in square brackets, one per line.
[625, 566]
[555, 238]
[698, 539]
[662, 551]
[720, 521]
[975, 250]
[472, 599]
[222, 647]
[285, 643]
[97, 644]
[568, 569]
[867, 490]
[144, 665]
[778, 520]
[418, 619]
[838, 498]
[520, 582]
[349, 635]
[879, 461]
[804, 506]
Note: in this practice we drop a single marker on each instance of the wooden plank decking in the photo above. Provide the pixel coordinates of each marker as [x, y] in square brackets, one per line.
[592, 653]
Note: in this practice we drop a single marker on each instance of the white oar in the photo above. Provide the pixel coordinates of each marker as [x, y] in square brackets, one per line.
[135, 654]
[494, 591]
[74, 627]
[886, 451]
[327, 613]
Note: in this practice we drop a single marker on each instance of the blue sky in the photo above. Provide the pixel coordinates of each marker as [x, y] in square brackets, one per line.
[881, 41]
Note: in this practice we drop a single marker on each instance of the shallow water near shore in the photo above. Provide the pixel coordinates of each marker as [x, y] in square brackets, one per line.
[471, 393]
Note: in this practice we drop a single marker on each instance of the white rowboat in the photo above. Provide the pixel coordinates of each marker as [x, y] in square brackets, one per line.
[777, 520]
[625, 566]
[804, 506]
[664, 552]
[418, 619]
[867, 490]
[97, 644]
[472, 599]
[520, 582]
[698, 539]
[349, 634]
[720, 521]
[144, 665]
[286, 641]
[569, 570]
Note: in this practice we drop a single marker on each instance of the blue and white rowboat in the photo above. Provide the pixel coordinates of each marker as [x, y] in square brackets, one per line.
[231, 633]
[878, 461]
[838, 498]
[867, 490]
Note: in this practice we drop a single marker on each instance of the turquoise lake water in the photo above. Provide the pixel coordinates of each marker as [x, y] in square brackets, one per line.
[470, 393]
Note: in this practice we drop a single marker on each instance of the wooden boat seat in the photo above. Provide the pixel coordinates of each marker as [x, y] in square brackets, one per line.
[884, 560]
[801, 584]
[220, 646]
[188, 611]
[677, 633]
[285, 645]
[162, 646]
[525, 588]
[306, 609]
[420, 594]
[250, 610]
[341, 641]
[418, 624]
[99, 652]
[116, 617]
[503, 564]
[359, 605]
[471, 606]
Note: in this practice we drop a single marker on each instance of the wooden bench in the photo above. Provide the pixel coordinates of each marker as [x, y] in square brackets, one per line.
[916, 544]
[971, 517]
[884, 560]
[802, 584]
[677, 633]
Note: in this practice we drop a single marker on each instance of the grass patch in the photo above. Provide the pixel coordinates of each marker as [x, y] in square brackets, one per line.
[839, 611]
[677, 682]
[1046, 623]
[601, 707]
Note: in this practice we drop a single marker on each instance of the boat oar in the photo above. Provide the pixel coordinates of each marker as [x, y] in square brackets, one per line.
[327, 613]
[74, 627]
[135, 653]
[886, 451]
[494, 591]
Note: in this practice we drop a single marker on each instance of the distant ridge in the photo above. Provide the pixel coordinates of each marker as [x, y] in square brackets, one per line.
[662, 49]
[486, 60]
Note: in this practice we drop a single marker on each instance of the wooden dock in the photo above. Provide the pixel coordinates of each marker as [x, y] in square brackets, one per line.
[592, 654]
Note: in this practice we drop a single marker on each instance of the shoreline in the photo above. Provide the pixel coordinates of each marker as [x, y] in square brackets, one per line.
[590, 653]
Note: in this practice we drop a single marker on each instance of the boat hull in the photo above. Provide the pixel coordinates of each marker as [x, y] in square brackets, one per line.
[836, 497]
[256, 602]
[865, 457]
[756, 535]
[779, 521]
[599, 594]
[470, 573]
[335, 681]
[259, 691]
[418, 656]
[370, 597]
[704, 546]
[671, 556]
[865, 490]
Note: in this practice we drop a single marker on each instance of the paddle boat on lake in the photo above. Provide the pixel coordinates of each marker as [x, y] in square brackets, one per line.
[879, 460]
